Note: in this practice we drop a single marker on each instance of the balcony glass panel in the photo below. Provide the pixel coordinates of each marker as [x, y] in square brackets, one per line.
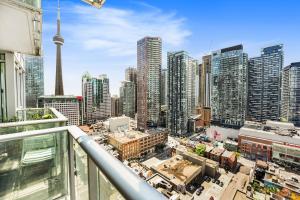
[81, 173]
[34, 167]
[106, 189]
[32, 119]
[35, 114]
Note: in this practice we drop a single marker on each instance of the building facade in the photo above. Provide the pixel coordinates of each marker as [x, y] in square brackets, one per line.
[134, 144]
[290, 100]
[115, 106]
[181, 91]
[279, 143]
[149, 50]
[34, 79]
[96, 98]
[164, 87]
[205, 81]
[264, 84]
[27, 18]
[12, 84]
[229, 86]
[127, 99]
[69, 106]
[131, 75]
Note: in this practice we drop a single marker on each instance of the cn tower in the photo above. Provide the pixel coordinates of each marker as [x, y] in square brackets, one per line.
[59, 41]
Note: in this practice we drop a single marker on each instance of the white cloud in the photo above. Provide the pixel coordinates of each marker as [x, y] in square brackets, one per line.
[116, 31]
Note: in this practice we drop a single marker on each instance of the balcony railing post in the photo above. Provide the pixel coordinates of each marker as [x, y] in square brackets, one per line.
[92, 180]
[71, 168]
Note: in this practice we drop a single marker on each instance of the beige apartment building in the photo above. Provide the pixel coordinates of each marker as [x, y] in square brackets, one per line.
[134, 144]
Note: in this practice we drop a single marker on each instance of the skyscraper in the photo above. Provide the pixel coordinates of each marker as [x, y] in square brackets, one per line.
[192, 82]
[127, 99]
[131, 75]
[205, 81]
[181, 90]
[229, 86]
[115, 106]
[164, 87]
[290, 101]
[264, 82]
[59, 41]
[34, 79]
[96, 98]
[148, 81]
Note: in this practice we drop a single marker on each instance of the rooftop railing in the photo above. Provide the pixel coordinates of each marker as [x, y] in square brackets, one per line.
[63, 162]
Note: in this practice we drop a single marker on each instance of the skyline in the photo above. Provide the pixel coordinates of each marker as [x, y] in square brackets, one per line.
[182, 30]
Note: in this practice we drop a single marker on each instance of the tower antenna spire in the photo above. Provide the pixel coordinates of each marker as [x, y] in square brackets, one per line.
[59, 41]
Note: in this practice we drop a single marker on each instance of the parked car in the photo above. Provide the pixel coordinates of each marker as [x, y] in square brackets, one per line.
[198, 192]
[221, 184]
[201, 188]
[213, 180]
[217, 182]
[208, 179]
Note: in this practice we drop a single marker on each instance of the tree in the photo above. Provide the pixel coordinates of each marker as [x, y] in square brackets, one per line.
[200, 149]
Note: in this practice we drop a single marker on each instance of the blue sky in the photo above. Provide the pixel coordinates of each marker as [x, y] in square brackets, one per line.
[104, 41]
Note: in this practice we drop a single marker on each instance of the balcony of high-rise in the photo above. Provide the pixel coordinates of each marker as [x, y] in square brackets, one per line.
[42, 158]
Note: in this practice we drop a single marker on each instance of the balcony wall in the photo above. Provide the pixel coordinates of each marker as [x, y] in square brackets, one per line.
[21, 26]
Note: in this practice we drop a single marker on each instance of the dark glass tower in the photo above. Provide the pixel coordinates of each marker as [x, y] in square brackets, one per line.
[59, 41]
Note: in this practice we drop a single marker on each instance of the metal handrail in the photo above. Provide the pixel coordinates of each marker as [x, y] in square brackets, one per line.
[123, 179]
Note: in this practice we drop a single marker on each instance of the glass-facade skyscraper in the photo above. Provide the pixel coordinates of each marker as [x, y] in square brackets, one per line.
[149, 60]
[264, 82]
[229, 86]
[164, 87]
[131, 75]
[96, 98]
[290, 101]
[34, 79]
[181, 90]
[127, 99]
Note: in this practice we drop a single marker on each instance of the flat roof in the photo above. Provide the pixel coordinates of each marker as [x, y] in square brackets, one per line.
[217, 151]
[237, 183]
[128, 136]
[269, 136]
[152, 162]
[208, 148]
[228, 154]
[58, 97]
[178, 170]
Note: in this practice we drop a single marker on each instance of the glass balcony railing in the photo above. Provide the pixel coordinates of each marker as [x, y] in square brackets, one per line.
[62, 162]
[33, 119]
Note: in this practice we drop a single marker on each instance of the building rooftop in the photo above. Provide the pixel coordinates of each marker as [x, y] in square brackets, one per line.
[208, 148]
[231, 142]
[86, 129]
[178, 170]
[127, 136]
[239, 182]
[267, 135]
[217, 151]
[228, 154]
[59, 97]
